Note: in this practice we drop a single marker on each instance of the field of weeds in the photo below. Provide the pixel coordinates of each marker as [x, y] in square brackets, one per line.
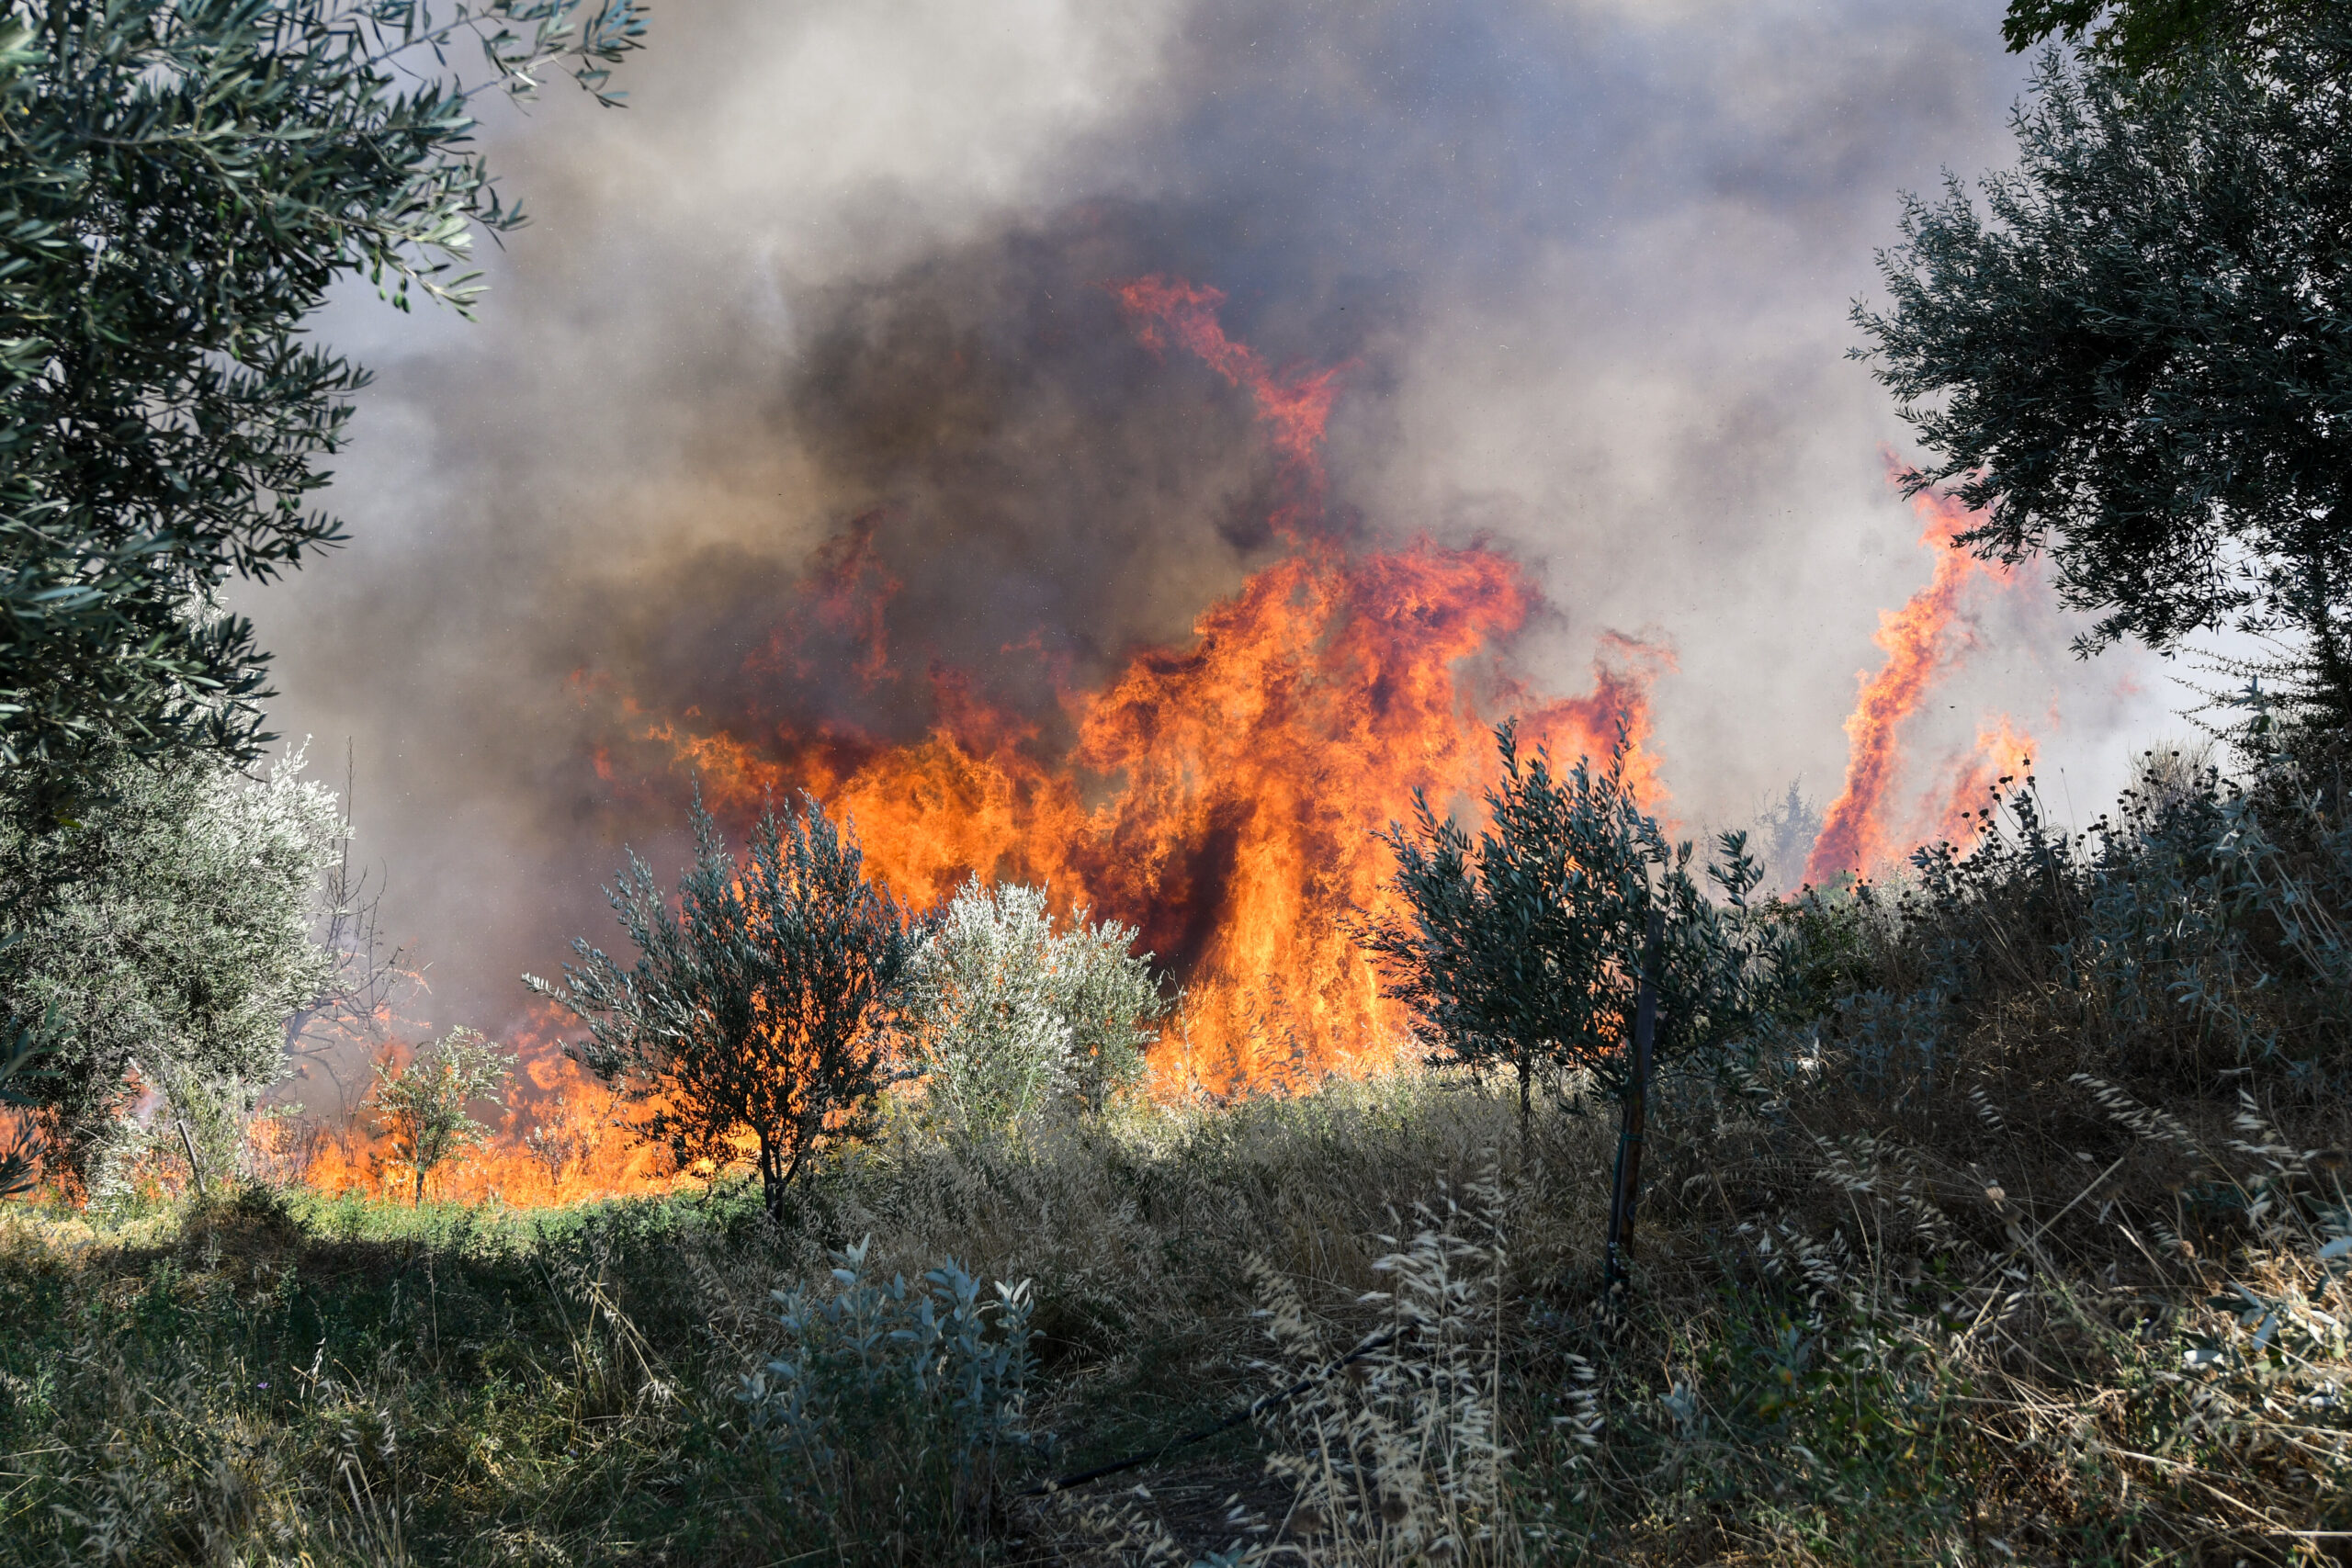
[2018, 1236]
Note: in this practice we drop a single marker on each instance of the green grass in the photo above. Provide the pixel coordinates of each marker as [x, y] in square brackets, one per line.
[2020, 1235]
[276, 1375]
[361, 1382]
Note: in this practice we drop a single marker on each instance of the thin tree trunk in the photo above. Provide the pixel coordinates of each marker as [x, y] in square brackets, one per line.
[772, 1178]
[1526, 1073]
[195, 1167]
[1627, 1186]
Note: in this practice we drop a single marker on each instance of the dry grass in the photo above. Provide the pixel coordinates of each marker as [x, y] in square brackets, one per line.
[2021, 1238]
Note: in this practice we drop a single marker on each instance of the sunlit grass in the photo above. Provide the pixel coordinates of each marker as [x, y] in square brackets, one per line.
[1969, 1260]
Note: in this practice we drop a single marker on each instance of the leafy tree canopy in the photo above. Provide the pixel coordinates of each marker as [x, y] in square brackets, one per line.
[164, 941]
[1009, 1014]
[1523, 948]
[182, 182]
[423, 1103]
[757, 1008]
[2145, 34]
[2137, 352]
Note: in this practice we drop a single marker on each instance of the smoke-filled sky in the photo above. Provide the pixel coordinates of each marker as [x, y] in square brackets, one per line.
[1587, 264]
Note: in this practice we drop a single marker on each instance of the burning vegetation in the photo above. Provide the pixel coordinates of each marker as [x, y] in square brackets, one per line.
[1164, 1037]
[1916, 1195]
[1950, 1179]
[1922, 640]
[1223, 796]
[1224, 799]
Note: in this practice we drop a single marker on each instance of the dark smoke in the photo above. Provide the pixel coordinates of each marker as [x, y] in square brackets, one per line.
[826, 312]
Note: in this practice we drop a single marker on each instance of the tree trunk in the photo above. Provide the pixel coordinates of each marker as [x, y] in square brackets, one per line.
[1526, 1074]
[195, 1166]
[774, 1178]
[1627, 1186]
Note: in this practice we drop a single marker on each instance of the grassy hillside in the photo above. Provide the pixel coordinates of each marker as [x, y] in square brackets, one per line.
[2019, 1236]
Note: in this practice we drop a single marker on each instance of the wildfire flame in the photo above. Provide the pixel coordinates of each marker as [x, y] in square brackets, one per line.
[1920, 644]
[1293, 408]
[560, 1137]
[1223, 794]
[2002, 752]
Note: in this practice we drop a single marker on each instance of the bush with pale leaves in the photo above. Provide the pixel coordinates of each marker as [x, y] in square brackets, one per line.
[1013, 1012]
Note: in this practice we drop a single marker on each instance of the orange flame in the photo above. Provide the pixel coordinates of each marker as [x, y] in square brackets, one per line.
[562, 1137]
[1919, 647]
[1239, 783]
[2002, 752]
[1222, 796]
[1293, 407]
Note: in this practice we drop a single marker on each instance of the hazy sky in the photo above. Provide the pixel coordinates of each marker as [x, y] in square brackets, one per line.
[1590, 262]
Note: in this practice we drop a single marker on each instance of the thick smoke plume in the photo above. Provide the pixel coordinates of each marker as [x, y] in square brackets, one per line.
[819, 415]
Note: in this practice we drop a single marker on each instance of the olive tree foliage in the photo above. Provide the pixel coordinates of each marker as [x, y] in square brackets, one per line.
[181, 182]
[1522, 949]
[1010, 1014]
[2136, 351]
[1112, 1002]
[758, 1009]
[2144, 35]
[423, 1105]
[172, 939]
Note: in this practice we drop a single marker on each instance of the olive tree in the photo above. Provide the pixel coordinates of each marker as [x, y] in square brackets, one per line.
[1523, 948]
[184, 181]
[2133, 350]
[758, 1009]
[423, 1103]
[167, 938]
[2147, 35]
[1113, 1003]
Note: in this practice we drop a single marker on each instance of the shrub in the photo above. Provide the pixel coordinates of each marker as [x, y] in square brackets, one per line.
[757, 1008]
[1523, 949]
[877, 1386]
[166, 933]
[20, 1151]
[2197, 932]
[423, 1105]
[1010, 1014]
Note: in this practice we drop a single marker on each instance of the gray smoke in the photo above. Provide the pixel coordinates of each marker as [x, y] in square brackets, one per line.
[832, 297]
